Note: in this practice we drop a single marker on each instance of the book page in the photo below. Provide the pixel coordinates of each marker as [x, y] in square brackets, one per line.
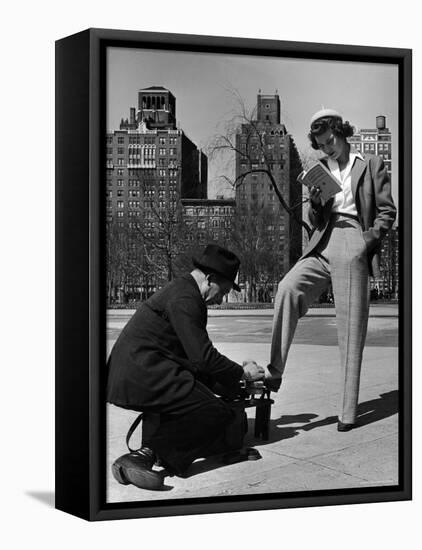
[317, 177]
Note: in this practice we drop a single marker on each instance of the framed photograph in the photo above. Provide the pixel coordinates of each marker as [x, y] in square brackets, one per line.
[233, 280]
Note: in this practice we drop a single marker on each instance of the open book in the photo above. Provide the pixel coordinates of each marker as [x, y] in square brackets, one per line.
[321, 177]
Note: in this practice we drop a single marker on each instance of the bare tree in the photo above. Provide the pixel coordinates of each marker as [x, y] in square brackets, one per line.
[255, 152]
[143, 248]
[160, 235]
[253, 241]
[118, 269]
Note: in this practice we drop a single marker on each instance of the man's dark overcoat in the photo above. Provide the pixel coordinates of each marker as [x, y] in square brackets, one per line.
[164, 348]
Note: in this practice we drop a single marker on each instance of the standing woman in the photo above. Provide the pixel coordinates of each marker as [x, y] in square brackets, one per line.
[344, 250]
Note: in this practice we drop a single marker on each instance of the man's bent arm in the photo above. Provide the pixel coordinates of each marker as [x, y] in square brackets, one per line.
[188, 318]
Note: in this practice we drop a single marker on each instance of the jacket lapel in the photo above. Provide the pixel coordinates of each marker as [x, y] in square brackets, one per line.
[357, 170]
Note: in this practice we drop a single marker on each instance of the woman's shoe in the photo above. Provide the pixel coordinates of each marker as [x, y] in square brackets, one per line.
[342, 427]
[272, 379]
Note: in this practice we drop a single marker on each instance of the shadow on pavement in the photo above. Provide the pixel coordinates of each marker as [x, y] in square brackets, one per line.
[384, 406]
[377, 409]
[371, 411]
[204, 465]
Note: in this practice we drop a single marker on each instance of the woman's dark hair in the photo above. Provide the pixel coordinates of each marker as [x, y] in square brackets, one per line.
[335, 124]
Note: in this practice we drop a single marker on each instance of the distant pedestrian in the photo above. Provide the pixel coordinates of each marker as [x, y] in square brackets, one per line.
[344, 249]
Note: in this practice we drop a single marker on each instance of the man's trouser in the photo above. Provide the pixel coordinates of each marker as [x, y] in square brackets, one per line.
[194, 427]
[341, 258]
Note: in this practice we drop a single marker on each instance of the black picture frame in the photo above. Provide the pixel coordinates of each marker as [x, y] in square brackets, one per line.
[80, 309]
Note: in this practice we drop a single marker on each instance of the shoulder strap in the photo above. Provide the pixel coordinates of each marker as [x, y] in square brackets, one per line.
[133, 427]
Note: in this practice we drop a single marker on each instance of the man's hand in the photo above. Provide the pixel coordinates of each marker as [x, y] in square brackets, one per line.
[315, 195]
[252, 371]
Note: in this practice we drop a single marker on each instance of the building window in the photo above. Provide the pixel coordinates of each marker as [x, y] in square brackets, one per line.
[120, 140]
[119, 183]
[162, 151]
[120, 151]
[120, 204]
[120, 162]
[161, 173]
[120, 192]
[162, 141]
[120, 214]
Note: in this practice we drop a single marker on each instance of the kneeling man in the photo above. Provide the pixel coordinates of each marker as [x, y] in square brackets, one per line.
[164, 363]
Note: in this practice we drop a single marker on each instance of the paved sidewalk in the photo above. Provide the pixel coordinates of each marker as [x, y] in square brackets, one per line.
[375, 310]
[305, 451]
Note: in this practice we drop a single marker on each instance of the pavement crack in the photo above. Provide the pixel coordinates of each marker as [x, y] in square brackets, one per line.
[354, 476]
[353, 445]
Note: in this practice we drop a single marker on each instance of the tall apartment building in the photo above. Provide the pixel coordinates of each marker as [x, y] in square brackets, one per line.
[378, 141]
[209, 220]
[374, 140]
[150, 159]
[150, 166]
[265, 143]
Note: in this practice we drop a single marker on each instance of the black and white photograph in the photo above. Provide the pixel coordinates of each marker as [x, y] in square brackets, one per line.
[252, 275]
[210, 275]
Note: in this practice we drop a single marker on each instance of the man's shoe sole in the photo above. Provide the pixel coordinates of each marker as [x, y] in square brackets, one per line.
[141, 478]
[118, 474]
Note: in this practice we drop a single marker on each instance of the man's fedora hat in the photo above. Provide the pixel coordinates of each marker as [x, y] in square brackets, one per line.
[325, 113]
[221, 261]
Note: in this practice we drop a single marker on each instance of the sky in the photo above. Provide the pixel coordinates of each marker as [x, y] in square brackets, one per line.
[203, 86]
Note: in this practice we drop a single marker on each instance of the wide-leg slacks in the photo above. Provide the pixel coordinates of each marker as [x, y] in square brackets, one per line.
[341, 257]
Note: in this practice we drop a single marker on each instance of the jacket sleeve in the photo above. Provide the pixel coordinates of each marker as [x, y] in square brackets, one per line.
[316, 211]
[188, 317]
[315, 214]
[385, 209]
